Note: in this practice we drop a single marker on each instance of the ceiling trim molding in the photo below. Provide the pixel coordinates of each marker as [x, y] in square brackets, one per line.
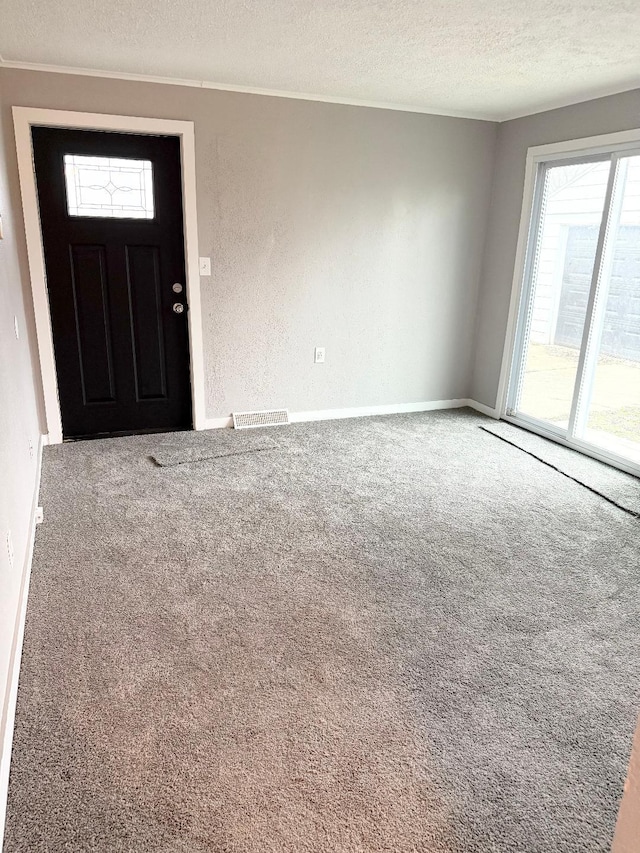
[245, 90]
[560, 103]
[500, 118]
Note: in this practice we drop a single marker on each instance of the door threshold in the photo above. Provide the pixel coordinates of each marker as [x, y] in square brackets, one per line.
[68, 439]
[587, 449]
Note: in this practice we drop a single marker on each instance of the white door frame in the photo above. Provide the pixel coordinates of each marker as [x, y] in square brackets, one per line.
[24, 118]
[626, 140]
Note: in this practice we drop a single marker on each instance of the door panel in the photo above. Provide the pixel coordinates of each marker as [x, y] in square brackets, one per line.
[112, 228]
[571, 208]
[88, 280]
[609, 414]
[145, 300]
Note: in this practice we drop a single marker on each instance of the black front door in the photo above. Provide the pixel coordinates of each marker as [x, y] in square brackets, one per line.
[111, 219]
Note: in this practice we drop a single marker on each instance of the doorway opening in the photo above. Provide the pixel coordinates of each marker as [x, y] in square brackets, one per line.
[142, 261]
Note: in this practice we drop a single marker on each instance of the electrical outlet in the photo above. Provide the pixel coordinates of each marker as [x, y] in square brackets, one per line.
[10, 548]
[319, 355]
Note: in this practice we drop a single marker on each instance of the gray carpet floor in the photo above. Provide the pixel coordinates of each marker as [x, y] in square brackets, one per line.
[179, 448]
[385, 634]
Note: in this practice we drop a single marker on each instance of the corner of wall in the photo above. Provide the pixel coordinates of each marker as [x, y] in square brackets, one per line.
[7, 718]
[20, 446]
[473, 393]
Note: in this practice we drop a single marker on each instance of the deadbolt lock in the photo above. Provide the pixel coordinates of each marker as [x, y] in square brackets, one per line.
[177, 287]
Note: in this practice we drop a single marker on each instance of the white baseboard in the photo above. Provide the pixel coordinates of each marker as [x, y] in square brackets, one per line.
[9, 710]
[357, 412]
[217, 423]
[484, 410]
[368, 411]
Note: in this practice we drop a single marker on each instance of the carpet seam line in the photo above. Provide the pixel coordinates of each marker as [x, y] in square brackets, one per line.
[633, 514]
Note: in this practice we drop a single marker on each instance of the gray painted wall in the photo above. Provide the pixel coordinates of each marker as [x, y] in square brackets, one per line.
[604, 115]
[356, 229]
[18, 425]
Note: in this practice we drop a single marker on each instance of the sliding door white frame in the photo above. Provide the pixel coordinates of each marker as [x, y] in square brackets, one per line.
[613, 145]
[600, 280]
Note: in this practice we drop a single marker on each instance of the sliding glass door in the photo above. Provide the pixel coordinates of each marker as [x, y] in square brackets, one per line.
[576, 367]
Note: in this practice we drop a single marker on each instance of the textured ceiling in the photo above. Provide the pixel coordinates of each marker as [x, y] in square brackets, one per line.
[482, 58]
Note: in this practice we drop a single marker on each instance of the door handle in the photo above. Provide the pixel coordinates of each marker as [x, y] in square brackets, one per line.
[178, 308]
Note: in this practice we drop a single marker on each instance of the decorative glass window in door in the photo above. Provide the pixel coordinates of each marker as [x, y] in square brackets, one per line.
[109, 187]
